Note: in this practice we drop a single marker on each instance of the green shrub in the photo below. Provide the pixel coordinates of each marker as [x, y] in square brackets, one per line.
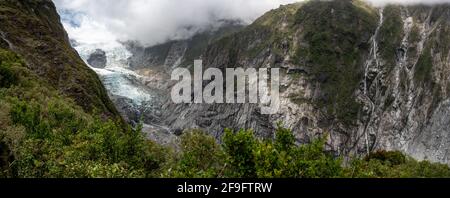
[200, 157]
[388, 157]
[28, 114]
[284, 140]
[394, 164]
[250, 157]
[7, 75]
[239, 147]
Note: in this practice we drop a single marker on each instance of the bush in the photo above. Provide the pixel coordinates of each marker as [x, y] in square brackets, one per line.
[200, 157]
[394, 164]
[391, 158]
[239, 147]
[7, 76]
[284, 140]
[7, 61]
[250, 157]
[28, 114]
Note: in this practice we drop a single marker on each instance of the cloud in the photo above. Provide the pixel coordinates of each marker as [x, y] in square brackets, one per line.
[156, 21]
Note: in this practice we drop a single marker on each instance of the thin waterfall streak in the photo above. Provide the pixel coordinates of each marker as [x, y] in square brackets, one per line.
[373, 58]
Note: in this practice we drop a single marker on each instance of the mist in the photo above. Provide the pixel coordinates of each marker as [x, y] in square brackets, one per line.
[156, 21]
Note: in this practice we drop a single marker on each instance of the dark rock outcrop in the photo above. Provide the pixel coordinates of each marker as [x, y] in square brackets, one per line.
[97, 59]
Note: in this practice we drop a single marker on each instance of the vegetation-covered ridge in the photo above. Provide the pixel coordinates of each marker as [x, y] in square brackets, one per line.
[45, 134]
[32, 28]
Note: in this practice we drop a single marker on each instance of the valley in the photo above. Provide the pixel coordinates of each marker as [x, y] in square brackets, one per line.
[364, 92]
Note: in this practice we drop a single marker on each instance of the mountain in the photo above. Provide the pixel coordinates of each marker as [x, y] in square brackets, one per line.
[371, 78]
[33, 30]
[355, 79]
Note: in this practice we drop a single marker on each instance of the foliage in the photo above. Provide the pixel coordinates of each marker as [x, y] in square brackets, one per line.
[383, 164]
[58, 142]
[250, 157]
[200, 156]
[7, 63]
[239, 147]
[45, 134]
[392, 157]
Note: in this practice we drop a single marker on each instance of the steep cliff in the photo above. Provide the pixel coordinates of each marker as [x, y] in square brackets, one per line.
[409, 87]
[32, 29]
[371, 78]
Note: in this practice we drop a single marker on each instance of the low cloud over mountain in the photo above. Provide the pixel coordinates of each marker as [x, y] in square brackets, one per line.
[156, 21]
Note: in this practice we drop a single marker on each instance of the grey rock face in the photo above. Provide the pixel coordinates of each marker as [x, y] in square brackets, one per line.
[411, 97]
[97, 59]
[404, 91]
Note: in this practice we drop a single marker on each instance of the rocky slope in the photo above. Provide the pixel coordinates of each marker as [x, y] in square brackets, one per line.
[371, 78]
[32, 29]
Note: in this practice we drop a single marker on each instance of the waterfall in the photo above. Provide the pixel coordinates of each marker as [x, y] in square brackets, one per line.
[373, 59]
